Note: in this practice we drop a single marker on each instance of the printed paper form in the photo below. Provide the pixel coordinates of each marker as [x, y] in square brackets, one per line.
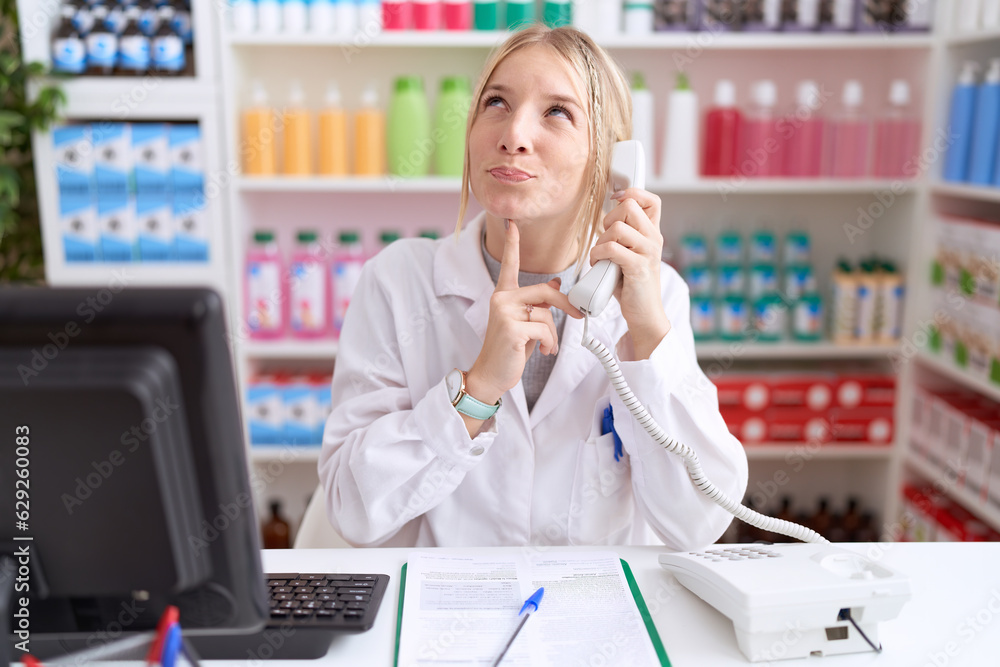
[460, 610]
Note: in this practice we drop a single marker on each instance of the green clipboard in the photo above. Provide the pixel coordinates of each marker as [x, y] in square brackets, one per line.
[654, 636]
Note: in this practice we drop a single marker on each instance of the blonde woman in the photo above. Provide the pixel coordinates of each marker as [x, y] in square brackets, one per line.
[466, 412]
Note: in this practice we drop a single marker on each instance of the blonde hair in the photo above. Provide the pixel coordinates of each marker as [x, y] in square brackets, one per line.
[609, 112]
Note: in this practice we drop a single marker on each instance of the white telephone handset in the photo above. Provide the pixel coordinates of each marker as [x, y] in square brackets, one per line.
[628, 169]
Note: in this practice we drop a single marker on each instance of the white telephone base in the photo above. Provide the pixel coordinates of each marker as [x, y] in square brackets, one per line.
[789, 600]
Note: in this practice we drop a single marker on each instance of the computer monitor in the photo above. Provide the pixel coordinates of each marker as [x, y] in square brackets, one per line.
[123, 467]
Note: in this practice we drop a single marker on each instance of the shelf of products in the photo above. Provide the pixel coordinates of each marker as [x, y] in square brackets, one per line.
[989, 514]
[820, 205]
[982, 193]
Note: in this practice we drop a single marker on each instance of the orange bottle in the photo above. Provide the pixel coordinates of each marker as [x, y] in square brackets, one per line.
[333, 135]
[369, 136]
[298, 140]
[258, 136]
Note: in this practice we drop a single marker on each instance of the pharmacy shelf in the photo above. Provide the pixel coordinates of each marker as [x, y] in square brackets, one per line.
[953, 372]
[737, 350]
[290, 349]
[114, 275]
[964, 497]
[978, 37]
[387, 184]
[833, 451]
[661, 41]
[448, 184]
[136, 98]
[284, 454]
[733, 185]
[984, 193]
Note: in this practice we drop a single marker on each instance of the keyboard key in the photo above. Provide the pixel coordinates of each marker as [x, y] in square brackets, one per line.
[354, 591]
[298, 582]
[280, 613]
[312, 605]
[282, 589]
[326, 589]
[362, 584]
[304, 589]
[312, 577]
[277, 582]
[289, 604]
[335, 604]
[282, 596]
[303, 596]
[357, 605]
[355, 598]
[340, 577]
[302, 613]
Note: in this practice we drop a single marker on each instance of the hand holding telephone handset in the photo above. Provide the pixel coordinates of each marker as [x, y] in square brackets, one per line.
[593, 293]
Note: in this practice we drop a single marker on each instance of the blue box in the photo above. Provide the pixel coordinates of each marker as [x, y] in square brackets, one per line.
[266, 412]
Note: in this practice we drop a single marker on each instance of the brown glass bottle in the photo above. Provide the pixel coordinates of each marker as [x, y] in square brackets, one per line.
[276, 532]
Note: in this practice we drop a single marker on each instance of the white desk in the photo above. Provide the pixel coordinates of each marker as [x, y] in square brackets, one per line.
[953, 618]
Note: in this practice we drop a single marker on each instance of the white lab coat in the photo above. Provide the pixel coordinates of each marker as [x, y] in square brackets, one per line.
[398, 466]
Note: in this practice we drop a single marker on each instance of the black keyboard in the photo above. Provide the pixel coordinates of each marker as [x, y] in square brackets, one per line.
[307, 610]
[345, 602]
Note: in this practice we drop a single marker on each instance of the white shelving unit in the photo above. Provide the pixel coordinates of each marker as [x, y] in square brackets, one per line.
[227, 63]
[153, 97]
[818, 205]
[980, 202]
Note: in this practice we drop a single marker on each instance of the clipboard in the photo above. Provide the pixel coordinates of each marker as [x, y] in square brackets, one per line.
[640, 603]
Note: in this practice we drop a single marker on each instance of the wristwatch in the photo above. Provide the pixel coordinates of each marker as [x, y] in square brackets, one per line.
[455, 382]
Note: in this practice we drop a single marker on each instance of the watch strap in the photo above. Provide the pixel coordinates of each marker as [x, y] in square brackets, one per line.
[476, 409]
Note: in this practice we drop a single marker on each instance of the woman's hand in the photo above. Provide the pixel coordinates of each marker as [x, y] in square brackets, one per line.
[519, 316]
[632, 240]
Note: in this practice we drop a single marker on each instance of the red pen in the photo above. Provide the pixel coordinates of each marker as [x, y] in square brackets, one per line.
[171, 615]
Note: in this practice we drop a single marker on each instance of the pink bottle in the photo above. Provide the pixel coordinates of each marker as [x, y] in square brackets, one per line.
[804, 129]
[345, 272]
[427, 14]
[849, 136]
[458, 14]
[264, 289]
[308, 289]
[720, 156]
[397, 14]
[762, 147]
[897, 136]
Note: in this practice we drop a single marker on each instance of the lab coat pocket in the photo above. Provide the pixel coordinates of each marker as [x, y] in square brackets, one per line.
[601, 509]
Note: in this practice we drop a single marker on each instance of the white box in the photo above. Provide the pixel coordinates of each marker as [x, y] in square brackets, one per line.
[74, 157]
[978, 456]
[112, 157]
[78, 222]
[155, 226]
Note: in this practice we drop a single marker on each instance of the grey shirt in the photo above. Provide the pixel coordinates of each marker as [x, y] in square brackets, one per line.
[539, 367]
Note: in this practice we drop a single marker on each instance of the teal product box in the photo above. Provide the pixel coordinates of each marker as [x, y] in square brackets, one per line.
[807, 318]
[699, 280]
[151, 158]
[799, 280]
[763, 280]
[728, 248]
[703, 317]
[763, 248]
[266, 413]
[112, 158]
[734, 318]
[694, 250]
[731, 280]
[74, 158]
[302, 413]
[78, 223]
[155, 226]
[187, 165]
[796, 249]
[116, 222]
[190, 227]
[770, 316]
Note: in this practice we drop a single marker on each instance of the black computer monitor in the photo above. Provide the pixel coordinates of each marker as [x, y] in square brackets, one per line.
[123, 469]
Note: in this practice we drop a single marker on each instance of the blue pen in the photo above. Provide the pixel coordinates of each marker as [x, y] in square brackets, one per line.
[530, 605]
[608, 426]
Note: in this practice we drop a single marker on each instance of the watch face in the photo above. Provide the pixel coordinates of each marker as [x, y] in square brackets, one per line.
[453, 382]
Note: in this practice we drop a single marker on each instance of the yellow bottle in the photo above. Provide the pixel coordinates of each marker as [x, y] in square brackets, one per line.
[298, 140]
[333, 135]
[369, 136]
[257, 147]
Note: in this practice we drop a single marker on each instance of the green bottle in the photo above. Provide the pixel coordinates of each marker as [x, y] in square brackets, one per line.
[557, 12]
[450, 117]
[408, 131]
[520, 13]
[486, 14]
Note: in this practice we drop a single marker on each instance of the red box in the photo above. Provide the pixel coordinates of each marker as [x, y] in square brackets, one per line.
[865, 425]
[797, 425]
[749, 427]
[749, 392]
[865, 390]
[813, 391]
